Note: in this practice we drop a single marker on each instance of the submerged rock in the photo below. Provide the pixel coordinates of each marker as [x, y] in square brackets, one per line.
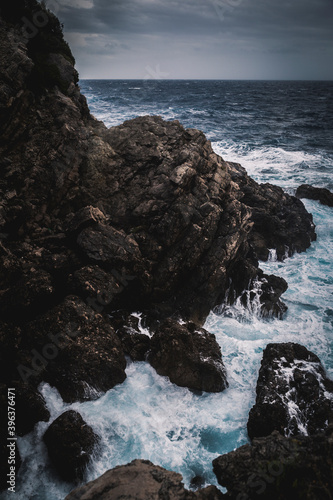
[141, 480]
[313, 193]
[279, 468]
[189, 356]
[70, 443]
[294, 396]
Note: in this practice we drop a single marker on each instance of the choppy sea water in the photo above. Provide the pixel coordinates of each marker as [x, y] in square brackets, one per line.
[281, 132]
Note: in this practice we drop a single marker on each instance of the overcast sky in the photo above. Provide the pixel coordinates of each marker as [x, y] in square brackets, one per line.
[222, 39]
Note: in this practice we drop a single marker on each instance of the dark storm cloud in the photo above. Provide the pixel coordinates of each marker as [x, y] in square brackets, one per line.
[214, 35]
[199, 16]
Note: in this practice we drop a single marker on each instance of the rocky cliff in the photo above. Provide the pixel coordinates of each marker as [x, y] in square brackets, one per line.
[143, 216]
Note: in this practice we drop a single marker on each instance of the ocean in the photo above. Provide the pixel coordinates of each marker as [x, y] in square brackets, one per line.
[281, 132]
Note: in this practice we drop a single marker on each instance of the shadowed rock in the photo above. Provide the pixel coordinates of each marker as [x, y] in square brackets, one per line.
[70, 443]
[75, 350]
[279, 468]
[30, 408]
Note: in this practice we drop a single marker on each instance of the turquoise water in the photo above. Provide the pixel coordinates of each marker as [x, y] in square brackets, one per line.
[147, 416]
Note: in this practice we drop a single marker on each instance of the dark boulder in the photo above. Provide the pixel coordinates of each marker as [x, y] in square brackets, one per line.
[141, 480]
[313, 193]
[189, 356]
[294, 396]
[105, 245]
[70, 443]
[279, 468]
[74, 349]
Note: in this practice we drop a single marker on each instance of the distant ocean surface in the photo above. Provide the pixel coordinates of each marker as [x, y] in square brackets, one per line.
[282, 133]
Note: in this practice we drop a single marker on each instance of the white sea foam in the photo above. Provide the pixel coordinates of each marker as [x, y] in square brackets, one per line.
[276, 165]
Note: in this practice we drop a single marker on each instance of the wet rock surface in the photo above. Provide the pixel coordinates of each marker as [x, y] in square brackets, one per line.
[279, 468]
[141, 480]
[70, 443]
[313, 193]
[189, 356]
[294, 396]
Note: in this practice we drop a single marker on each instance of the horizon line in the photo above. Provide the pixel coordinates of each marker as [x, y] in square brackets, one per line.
[212, 79]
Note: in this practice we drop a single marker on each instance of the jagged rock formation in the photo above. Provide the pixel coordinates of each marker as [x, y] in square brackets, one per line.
[279, 468]
[294, 396]
[280, 221]
[168, 209]
[144, 216]
[313, 193]
[70, 443]
[141, 480]
[189, 356]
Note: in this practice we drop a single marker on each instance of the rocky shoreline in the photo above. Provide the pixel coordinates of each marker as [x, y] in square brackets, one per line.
[98, 223]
